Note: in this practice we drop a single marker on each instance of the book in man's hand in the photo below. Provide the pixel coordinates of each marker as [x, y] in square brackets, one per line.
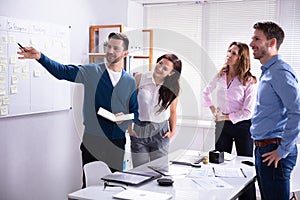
[112, 117]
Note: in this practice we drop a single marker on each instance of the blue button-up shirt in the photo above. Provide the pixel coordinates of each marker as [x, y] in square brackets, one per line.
[277, 110]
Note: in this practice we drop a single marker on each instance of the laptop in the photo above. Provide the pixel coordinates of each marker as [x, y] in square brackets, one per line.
[130, 178]
[170, 170]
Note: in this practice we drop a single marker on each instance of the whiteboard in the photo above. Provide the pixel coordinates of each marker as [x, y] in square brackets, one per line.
[25, 86]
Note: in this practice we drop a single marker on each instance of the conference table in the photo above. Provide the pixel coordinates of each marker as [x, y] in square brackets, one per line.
[196, 183]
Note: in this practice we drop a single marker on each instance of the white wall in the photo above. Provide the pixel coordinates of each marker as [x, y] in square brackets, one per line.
[194, 134]
[135, 15]
[40, 156]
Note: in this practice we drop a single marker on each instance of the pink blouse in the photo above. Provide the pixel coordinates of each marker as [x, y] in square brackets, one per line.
[235, 99]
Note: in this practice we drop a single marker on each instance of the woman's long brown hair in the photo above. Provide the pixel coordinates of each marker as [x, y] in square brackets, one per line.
[244, 66]
[170, 88]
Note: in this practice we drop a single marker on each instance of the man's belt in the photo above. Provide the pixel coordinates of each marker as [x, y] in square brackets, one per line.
[263, 143]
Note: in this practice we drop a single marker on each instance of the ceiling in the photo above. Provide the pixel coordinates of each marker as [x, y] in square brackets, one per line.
[161, 1]
[153, 2]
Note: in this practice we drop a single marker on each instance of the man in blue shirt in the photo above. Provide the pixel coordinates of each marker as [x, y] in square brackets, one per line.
[106, 85]
[276, 120]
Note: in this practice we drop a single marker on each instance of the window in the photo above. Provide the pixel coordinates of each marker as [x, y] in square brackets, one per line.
[290, 22]
[213, 25]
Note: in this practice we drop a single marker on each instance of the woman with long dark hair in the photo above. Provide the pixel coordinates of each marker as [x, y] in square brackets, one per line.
[157, 99]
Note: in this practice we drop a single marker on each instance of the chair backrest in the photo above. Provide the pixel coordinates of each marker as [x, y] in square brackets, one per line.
[94, 171]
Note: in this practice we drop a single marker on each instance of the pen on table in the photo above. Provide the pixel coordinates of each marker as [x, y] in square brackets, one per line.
[243, 173]
[195, 182]
[214, 171]
[22, 47]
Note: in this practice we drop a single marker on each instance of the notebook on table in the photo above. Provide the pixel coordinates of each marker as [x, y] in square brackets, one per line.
[130, 178]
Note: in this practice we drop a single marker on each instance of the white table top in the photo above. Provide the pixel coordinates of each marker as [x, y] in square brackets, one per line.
[183, 187]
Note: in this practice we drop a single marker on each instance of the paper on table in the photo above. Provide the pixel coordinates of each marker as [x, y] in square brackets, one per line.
[210, 183]
[202, 172]
[136, 194]
[110, 116]
[228, 172]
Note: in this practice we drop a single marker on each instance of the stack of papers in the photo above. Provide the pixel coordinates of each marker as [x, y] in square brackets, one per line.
[190, 158]
[136, 194]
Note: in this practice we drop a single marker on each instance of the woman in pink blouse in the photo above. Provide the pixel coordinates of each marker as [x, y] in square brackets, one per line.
[235, 91]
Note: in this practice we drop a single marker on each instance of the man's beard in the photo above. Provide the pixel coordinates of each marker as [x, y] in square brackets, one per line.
[261, 53]
[114, 60]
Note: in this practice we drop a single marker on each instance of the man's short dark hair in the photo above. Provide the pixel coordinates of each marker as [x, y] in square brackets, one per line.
[271, 30]
[120, 36]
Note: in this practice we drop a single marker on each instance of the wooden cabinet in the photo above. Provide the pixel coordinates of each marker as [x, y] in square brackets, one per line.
[99, 33]
[149, 56]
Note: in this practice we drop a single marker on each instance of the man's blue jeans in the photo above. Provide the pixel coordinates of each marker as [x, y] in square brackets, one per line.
[274, 183]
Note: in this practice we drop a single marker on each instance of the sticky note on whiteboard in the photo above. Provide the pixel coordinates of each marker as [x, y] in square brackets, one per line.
[4, 39]
[14, 79]
[5, 100]
[2, 79]
[13, 89]
[2, 68]
[2, 91]
[16, 69]
[12, 39]
[25, 68]
[3, 110]
[36, 73]
[25, 76]
[12, 60]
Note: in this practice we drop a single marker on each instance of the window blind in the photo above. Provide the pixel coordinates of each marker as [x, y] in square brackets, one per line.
[290, 22]
[226, 22]
[213, 25]
[184, 23]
